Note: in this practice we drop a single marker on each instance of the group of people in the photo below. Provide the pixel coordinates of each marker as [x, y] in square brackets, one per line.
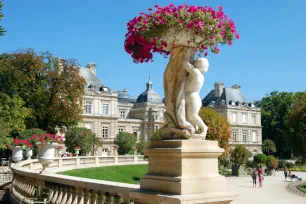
[257, 173]
[290, 175]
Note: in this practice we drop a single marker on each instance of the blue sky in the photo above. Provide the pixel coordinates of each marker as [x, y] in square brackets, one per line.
[269, 56]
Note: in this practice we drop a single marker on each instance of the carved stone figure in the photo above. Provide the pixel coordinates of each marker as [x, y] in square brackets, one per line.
[194, 83]
[178, 81]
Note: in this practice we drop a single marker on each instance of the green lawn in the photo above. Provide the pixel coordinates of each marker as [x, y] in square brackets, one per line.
[302, 187]
[124, 174]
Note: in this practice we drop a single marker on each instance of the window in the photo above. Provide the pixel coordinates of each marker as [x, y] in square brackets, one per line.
[254, 119]
[234, 133]
[234, 117]
[244, 136]
[105, 109]
[122, 113]
[244, 118]
[88, 106]
[105, 132]
[254, 136]
[156, 127]
[120, 129]
[135, 132]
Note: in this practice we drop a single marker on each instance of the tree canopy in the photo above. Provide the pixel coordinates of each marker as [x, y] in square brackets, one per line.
[268, 146]
[297, 125]
[218, 127]
[260, 159]
[2, 31]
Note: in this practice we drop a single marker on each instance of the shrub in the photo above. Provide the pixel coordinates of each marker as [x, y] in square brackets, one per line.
[126, 143]
[272, 162]
[260, 159]
[82, 137]
[223, 161]
[281, 164]
[289, 164]
[141, 145]
[240, 155]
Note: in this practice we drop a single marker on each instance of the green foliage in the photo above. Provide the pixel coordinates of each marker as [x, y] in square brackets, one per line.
[67, 95]
[260, 159]
[289, 165]
[268, 146]
[274, 109]
[2, 31]
[4, 133]
[13, 113]
[157, 135]
[123, 174]
[296, 124]
[281, 164]
[126, 143]
[28, 133]
[82, 137]
[141, 145]
[240, 155]
[272, 162]
[52, 99]
[223, 161]
[219, 128]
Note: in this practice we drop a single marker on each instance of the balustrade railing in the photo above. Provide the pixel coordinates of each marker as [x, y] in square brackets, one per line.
[29, 186]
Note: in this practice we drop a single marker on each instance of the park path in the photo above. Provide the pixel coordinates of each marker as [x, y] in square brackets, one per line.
[273, 192]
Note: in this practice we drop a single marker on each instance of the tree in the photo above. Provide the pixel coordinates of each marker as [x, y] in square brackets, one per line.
[296, 124]
[52, 91]
[274, 109]
[240, 155]
[126, 143]
[218, 127]
[268, 145]
[260, 159]
[67, 96]
[2, 31]
[13, 113]
[4, 133]
[82, 137]
[271, 162]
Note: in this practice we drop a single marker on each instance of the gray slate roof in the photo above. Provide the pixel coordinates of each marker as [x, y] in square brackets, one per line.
[149, 95]
[123, 96]
[228, 95]
[92, 81]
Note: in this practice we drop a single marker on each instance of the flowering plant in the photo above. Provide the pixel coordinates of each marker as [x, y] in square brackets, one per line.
[45, 139]
[147, 33]
[17, 142]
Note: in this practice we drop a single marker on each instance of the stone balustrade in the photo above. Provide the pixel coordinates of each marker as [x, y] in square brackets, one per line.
[29, 186]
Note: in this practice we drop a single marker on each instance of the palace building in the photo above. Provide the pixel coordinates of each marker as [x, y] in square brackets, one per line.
[243, 116]
[108, 112]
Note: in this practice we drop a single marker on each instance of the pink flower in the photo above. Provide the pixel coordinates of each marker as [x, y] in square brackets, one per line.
[205, 54]
[149, 9]
[220, 8]
[230, 43]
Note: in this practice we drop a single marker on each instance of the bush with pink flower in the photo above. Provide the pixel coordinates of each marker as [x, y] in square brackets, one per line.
[46, 139]
[148, 32]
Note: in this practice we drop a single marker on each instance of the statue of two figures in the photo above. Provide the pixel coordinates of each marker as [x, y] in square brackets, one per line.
[183, 80]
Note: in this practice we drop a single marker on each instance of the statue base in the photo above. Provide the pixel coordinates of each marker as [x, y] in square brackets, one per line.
[183, 171]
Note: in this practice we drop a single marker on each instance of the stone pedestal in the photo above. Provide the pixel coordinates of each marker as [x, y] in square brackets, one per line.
[183, 171]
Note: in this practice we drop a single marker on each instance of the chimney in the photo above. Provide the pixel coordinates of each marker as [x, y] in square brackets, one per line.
[218, 88]
[236, 86]
[92, 67]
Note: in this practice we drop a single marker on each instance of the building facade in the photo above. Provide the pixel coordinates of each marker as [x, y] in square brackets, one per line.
[108, 112]
[243, 116]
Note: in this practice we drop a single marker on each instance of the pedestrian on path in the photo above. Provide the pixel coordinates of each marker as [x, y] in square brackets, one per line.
[286, 173]
[254, 177]
[260, 179]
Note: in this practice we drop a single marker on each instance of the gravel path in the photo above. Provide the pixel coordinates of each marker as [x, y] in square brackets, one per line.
[273, 192]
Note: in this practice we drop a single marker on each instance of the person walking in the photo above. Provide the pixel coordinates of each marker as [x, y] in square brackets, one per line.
[286, 173]
[254, 177]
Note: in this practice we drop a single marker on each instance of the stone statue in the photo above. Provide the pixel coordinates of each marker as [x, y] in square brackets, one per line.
[182, 83]
[193, 85]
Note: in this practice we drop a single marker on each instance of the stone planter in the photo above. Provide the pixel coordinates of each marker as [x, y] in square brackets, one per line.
[271, 172]
[46, 155]
[29, 153]
[238, 171]
[17, 153]
[77, 151]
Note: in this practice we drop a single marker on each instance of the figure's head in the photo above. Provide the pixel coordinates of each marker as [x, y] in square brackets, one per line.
[201, 64]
